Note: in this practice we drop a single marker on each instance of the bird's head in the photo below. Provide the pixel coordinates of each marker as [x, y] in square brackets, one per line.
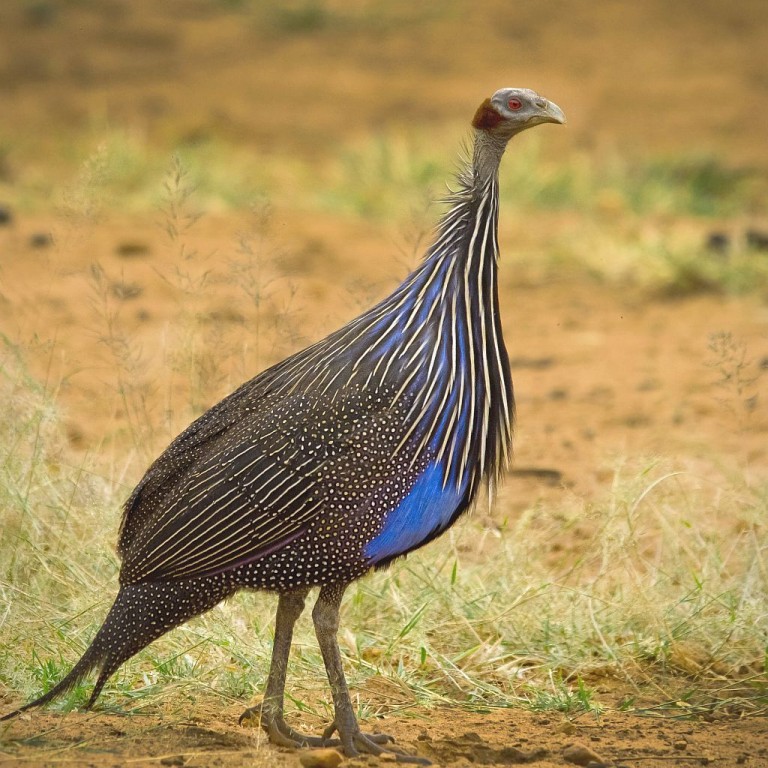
[511, 110]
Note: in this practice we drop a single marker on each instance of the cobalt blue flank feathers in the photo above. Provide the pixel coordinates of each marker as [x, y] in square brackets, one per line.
[343, 457]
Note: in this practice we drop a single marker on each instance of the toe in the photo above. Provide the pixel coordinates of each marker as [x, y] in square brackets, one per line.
[371, 744]
[280, 733]
[250, 718]
[379, 738]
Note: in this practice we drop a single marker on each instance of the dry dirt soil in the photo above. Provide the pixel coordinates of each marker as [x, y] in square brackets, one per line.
[600, 371]
[211, 737]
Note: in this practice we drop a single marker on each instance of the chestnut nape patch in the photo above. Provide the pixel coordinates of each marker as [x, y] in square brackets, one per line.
[486, 117]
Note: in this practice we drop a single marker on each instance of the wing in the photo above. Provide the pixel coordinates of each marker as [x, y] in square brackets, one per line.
[251, 486]
[179, 459]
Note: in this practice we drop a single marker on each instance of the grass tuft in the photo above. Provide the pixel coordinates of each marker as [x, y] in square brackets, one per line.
[651, 584]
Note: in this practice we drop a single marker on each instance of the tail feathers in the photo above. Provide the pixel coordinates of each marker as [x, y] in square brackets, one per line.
[141, 613]
[111, 646]
[90, 659]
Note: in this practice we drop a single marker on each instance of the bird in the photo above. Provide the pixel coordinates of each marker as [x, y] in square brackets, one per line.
[345, 456]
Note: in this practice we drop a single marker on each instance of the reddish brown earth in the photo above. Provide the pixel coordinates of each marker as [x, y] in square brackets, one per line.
[210, 737]
[600, 371]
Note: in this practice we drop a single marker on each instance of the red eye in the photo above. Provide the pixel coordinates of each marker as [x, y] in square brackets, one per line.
[514, 103]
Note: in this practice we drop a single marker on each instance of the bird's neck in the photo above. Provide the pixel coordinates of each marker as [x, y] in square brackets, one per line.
[448, 312]
[487, 152]
[465, 251]
[467, 233]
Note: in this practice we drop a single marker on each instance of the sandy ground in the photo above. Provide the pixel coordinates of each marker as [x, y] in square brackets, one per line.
[447, 737]
[600, 372]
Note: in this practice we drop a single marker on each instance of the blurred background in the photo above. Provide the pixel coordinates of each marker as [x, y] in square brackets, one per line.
[283, 155]
[192, 189]
[301, 77]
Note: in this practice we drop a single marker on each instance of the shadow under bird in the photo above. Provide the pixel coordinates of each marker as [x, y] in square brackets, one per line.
[343, 457]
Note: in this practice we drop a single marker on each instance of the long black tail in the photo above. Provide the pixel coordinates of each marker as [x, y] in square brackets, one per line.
[140, 614]
[89, 660]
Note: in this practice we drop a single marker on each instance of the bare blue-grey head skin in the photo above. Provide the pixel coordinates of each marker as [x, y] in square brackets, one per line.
[345, 456]
[508, 112]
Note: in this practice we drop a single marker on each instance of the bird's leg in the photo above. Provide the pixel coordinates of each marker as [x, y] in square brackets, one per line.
[326, 618]
[269, 714]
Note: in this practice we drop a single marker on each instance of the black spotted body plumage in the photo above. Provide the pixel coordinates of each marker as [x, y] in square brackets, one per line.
[301, 486]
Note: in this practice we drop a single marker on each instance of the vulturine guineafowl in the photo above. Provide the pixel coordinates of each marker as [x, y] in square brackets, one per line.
[347, 455]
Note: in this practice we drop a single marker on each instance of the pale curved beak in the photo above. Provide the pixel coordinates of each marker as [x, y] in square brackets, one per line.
[551, 113]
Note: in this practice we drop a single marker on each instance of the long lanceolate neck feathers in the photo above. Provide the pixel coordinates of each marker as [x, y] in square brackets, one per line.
[437, 343]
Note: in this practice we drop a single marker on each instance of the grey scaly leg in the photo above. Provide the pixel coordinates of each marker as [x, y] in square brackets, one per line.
[326, 618]
[270, 712]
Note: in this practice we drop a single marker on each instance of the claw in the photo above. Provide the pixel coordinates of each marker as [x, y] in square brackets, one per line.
[370, 744]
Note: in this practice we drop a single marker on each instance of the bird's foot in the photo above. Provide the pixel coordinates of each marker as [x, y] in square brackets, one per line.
[354, 742]
[279, 732]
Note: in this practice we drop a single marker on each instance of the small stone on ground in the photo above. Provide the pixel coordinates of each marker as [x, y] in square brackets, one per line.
[320, 758]
[578, 754]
